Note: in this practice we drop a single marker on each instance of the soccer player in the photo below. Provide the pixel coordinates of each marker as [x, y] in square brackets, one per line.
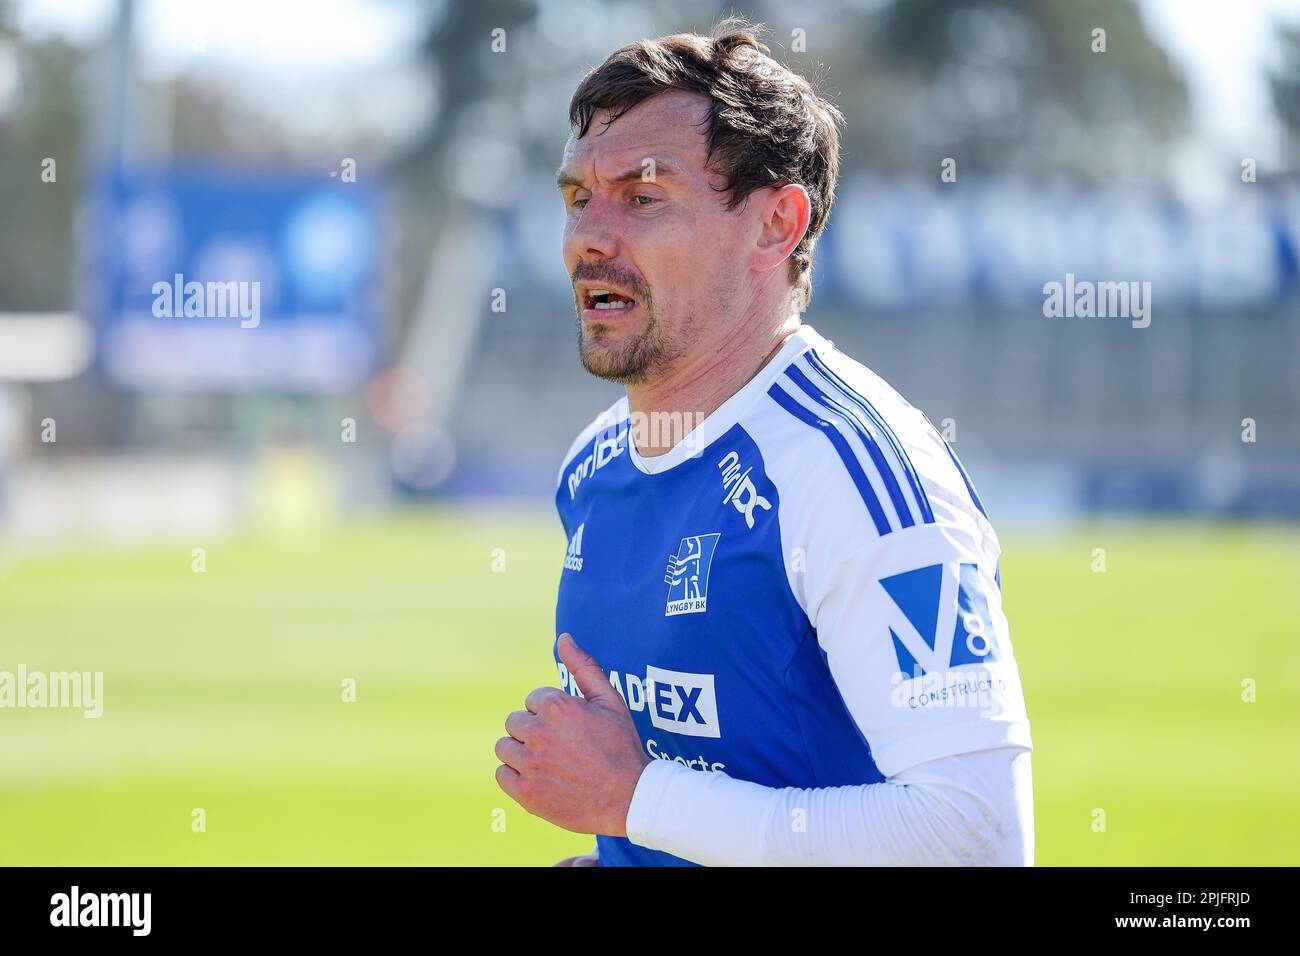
[781, 628]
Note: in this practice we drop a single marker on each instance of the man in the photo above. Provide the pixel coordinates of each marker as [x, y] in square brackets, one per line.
[794, 598]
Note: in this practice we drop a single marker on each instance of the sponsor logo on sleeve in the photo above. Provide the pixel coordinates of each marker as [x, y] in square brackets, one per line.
[943, 635]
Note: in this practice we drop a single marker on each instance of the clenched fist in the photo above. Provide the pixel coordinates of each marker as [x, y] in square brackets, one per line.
[574, 761]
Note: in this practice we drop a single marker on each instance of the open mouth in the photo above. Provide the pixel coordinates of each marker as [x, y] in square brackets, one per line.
[606, 300]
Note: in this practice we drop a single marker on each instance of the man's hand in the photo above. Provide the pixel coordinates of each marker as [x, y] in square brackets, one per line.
[574, 761]
[586, 859]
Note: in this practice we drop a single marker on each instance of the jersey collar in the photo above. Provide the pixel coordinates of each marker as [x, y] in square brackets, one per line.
[720, 421]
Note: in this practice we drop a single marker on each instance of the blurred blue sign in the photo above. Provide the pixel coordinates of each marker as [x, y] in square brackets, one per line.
[903, 245]
[201, 280]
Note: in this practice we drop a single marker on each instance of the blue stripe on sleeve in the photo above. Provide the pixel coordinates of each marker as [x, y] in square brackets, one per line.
[845, 452]
[927, 515]
[965, 477]
[877, 456]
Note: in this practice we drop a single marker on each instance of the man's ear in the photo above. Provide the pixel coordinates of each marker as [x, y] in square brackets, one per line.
[785, 212]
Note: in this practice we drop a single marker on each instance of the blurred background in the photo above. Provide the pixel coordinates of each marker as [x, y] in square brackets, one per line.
[310, 543]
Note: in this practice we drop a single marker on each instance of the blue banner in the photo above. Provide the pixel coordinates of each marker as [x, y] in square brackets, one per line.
[203, 280]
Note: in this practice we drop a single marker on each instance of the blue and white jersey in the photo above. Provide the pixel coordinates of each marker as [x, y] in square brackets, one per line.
[804, 592]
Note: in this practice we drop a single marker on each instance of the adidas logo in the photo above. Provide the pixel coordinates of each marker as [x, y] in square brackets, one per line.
[573, 557]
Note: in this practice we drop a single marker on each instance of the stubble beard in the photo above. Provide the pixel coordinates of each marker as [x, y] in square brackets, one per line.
[646, 357]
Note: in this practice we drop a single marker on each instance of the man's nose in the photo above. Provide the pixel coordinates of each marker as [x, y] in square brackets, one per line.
[595, 235]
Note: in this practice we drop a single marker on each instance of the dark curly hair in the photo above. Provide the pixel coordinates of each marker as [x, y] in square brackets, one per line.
[766, 125]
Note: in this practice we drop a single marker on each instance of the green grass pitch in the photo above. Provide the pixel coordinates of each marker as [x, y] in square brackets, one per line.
[222, 692]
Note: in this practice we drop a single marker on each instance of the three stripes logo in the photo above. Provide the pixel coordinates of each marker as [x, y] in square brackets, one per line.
[573, 557]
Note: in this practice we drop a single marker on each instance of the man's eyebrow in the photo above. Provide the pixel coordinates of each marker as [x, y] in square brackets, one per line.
[563, 179]
[661, 170]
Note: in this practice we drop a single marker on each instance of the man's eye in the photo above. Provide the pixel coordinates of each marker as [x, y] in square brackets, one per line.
[649, 200]
[578, 203]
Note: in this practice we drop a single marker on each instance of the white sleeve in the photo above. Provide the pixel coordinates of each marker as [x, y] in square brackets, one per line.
[917, 642]
[910, 620]
[970, 809]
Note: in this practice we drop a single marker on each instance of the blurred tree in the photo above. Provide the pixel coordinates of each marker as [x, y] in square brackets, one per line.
[1013, 87]
[1285, 85]
[38, 122]
[456, 50]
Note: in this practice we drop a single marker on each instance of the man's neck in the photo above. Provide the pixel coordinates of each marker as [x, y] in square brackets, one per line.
[674, 405]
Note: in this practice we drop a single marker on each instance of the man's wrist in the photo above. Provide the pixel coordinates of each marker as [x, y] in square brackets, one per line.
[618, 826]
[702, 816]
[648, 799]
